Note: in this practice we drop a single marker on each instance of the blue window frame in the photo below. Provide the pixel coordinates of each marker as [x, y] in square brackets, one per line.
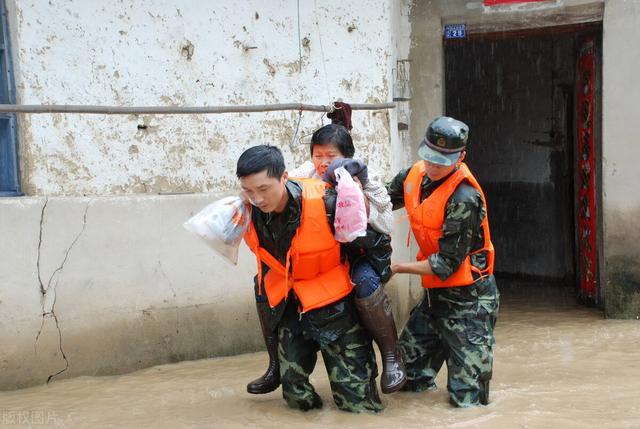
[9, 182]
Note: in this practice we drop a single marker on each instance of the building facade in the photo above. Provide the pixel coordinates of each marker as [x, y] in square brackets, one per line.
[99, 277]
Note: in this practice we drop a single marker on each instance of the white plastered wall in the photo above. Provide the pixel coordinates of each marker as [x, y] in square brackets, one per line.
[98, 276]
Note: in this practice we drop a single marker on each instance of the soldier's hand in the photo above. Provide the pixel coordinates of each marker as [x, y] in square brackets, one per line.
[396, 268]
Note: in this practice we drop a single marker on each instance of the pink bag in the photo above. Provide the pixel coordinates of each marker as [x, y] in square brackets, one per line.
[351, 213]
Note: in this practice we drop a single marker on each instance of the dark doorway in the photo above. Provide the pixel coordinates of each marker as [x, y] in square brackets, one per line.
[517, 92]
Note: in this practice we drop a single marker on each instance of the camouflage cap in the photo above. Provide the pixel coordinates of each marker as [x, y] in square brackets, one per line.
[444, 140]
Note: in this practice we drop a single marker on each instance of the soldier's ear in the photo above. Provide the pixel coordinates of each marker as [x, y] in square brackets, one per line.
[462, 155]
[285, 176]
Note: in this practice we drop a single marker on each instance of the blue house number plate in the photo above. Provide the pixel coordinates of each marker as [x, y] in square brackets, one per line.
[455, 31]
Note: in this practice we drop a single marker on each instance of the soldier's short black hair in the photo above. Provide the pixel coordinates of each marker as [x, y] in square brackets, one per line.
[260, 158]
[334, 134]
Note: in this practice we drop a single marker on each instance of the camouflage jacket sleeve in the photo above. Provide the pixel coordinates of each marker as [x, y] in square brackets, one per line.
[463, 215]
[395, 188]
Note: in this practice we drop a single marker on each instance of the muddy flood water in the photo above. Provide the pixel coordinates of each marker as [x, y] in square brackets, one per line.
[557, 365]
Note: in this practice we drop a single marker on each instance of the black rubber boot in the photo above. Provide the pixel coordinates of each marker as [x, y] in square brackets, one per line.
[376, 316]
[270, 380]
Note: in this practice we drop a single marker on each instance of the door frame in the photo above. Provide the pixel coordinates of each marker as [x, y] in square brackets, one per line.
[485, 33]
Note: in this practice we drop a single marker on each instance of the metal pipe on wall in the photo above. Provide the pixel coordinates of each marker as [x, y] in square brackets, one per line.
[179, 110]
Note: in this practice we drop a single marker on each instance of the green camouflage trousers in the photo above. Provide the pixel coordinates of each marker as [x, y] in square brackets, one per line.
[453, 325]
[349, 361]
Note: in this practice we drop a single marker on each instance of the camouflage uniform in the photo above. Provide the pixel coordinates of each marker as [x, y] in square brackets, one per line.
[456, 325]
[346, 349]
[453, 324]
[333, 330]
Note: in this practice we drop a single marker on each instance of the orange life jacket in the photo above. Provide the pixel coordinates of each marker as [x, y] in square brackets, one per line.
[427, 219]
[313, 264]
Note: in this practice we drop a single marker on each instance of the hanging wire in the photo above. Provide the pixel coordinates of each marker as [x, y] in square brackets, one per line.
[295, 134]
[304, 137]
[299, 41]
[324, 63]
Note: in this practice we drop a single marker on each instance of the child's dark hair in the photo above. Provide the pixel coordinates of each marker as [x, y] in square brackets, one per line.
[260, 158]
[337, 135]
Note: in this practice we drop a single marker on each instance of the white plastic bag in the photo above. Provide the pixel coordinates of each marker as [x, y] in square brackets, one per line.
[222, 224]
[351, 212]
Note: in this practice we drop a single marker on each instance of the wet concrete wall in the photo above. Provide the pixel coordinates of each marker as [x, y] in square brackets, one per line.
[193, 54]
[98, 276]
[108, 284]
[621, 175]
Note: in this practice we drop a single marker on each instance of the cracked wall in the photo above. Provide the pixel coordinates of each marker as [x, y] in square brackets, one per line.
[40, 240]
[106, 285]
[99, 276]
[48, 288]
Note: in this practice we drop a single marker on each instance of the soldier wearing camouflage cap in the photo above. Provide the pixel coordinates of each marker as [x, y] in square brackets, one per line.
[455, 320]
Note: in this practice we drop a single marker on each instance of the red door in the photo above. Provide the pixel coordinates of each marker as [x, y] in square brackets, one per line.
[585, 169]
